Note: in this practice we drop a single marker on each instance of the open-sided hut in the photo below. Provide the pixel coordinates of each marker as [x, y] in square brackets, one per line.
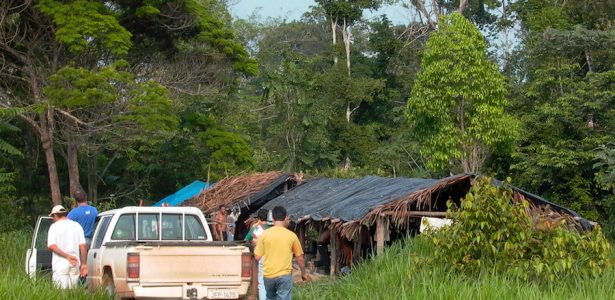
[246, 193]
[382, 207]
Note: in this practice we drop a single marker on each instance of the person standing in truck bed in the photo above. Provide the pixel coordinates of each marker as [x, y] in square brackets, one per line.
[220, 224]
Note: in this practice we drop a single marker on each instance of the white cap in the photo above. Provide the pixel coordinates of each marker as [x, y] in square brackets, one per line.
[57, 209]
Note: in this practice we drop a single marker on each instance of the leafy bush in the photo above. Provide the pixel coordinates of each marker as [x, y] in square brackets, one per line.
[491, 231]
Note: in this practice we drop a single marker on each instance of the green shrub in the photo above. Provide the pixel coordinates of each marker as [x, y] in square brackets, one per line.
[511, 237]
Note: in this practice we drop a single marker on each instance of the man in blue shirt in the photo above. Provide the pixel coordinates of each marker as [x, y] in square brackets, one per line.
[85, 215]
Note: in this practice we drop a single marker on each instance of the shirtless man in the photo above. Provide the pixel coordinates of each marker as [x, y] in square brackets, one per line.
[220, 224]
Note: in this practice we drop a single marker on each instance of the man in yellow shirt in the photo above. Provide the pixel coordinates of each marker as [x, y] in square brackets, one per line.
[276, 247]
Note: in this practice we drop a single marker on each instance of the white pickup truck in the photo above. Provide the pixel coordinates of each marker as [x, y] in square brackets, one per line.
[164, 253]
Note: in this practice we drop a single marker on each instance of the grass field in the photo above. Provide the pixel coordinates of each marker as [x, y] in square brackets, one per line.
[393, 275]
[15, 284]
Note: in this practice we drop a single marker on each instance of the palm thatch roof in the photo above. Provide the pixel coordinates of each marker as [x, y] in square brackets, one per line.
[245, 191]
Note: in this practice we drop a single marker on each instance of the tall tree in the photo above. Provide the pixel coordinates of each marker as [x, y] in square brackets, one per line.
[430, 11]
[39, 40]
[343, 14]
[32, 48]
[565, 100]
[457, 107]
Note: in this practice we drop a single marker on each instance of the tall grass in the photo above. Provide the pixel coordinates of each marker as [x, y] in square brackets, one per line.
[15, 284]
[393, 275]
[396, 275]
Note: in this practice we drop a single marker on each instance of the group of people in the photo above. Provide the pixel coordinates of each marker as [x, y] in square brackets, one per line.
[274, 248]
[69, 238]
[224, 224]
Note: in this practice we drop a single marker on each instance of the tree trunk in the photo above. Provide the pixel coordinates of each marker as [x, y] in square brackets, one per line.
[92, 179]
[46, 135]
[506, 40]
[589, 60]
[346, 38]
[346, 162]
[72, 159]
[463, 4]
[420, 6]
[334, 36]
[473, 158]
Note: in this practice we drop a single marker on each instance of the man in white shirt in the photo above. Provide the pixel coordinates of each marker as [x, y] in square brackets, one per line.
[66, 241]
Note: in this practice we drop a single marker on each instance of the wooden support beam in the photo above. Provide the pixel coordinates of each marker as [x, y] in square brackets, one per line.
[382, 224]
[319, 229]
[302, 236]
[334, 245]
[417, 213]
[356, 251]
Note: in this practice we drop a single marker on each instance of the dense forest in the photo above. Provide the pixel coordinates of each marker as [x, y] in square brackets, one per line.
[129, 100]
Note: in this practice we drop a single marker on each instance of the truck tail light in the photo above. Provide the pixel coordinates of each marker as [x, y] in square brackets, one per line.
[133, 266]
[246, 264]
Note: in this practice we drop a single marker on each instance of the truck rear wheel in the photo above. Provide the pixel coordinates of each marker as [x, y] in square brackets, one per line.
[109, 285]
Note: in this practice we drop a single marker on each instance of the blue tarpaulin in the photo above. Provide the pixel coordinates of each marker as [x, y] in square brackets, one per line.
[184, 193]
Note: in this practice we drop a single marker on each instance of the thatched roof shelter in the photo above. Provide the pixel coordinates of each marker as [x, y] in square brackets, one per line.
[349, 204]
[244, 190]
[366, 213]
[247, 193]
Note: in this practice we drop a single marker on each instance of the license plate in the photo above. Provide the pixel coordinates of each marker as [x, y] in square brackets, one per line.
[222, 294]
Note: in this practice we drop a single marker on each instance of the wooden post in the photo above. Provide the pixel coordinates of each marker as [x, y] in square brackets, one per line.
[356, 251]
[334, 245]
[302, 235]
[381, 222]
[319, 229]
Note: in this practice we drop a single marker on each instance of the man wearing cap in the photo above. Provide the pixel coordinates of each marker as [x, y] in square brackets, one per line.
[66, 241]
[85, 215]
